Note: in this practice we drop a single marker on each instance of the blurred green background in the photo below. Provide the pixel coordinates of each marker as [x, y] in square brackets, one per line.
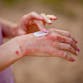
[48, 70]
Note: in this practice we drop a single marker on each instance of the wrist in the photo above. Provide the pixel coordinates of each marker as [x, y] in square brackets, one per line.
[29, 47]
[9, 54]
[11, 49]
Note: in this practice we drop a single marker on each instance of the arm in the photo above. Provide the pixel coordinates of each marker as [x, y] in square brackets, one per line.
[29, 23]
[53, 44]
[8, 28]
[9, 53]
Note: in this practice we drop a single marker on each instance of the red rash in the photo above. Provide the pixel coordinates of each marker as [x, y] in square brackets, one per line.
[17, 52]
[72, 60]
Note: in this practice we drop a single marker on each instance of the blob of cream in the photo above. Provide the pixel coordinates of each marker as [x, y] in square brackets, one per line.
[40, 33]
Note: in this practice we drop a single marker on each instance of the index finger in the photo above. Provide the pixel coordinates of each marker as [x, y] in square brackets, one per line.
[64, 33]
[40, 25]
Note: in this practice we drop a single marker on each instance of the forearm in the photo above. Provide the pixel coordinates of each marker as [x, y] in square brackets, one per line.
[9, 53]
[8, 28]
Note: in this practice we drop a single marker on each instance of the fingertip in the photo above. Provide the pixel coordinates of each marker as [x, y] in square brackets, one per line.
[71, 59]
[49, 23]
[46, 19]
[78, 49]
[53, 18]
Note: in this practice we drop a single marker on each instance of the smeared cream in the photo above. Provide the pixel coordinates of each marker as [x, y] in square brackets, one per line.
[40, 33]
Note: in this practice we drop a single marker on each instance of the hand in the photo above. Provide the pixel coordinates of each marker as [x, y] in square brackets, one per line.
[33, 22]
[56, 43]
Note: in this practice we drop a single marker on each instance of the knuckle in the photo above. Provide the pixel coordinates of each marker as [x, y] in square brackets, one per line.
[67, 40]
[33, 13]
[68, 46]
[55, 35]
[71, 41]
[29, 14]
[68, 33]
[52, 29]
[58, 37]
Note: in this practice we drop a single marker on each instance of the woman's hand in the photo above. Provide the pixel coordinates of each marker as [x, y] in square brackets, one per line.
[29, 23]
[55, 43]
[33, 22]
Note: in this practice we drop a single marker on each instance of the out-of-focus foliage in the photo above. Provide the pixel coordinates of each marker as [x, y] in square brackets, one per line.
[58, 6]
[78, 1]
[11, 2]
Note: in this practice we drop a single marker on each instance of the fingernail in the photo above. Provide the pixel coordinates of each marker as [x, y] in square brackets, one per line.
[54, 18]
[78, 49]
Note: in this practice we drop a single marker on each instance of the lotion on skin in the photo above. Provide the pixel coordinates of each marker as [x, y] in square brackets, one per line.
[40, 33]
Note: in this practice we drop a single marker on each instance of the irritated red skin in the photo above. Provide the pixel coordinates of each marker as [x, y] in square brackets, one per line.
[72, 60]
[17, 52]
[55, 38]
[29, 26]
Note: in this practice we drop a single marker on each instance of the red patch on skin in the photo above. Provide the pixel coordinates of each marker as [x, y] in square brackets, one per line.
[17, 52]
[27, 52]
[56, 38]
[51, 38]
[72, 59]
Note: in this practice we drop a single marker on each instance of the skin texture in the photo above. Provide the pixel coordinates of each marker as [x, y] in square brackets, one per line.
[33, 22]
[28, 23]
[17, 52]
[49, 45]
[56, 43]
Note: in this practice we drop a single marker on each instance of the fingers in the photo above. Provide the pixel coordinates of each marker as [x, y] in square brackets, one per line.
[66, 47]
[37, 19]
[51, 17]
[42, 17]
[48, 18]
[62, 39]
[62, 32]
[32, 15]
[67, 57]
[62, 54]
[67, 35]
[40, 25]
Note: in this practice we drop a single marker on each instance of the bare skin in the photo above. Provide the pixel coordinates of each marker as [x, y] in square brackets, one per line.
[56, 43]
[28, 23]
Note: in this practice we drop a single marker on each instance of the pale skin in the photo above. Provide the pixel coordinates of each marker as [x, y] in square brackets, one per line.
[56, 43]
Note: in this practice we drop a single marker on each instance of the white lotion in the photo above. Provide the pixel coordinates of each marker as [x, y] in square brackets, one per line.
[40, 33]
